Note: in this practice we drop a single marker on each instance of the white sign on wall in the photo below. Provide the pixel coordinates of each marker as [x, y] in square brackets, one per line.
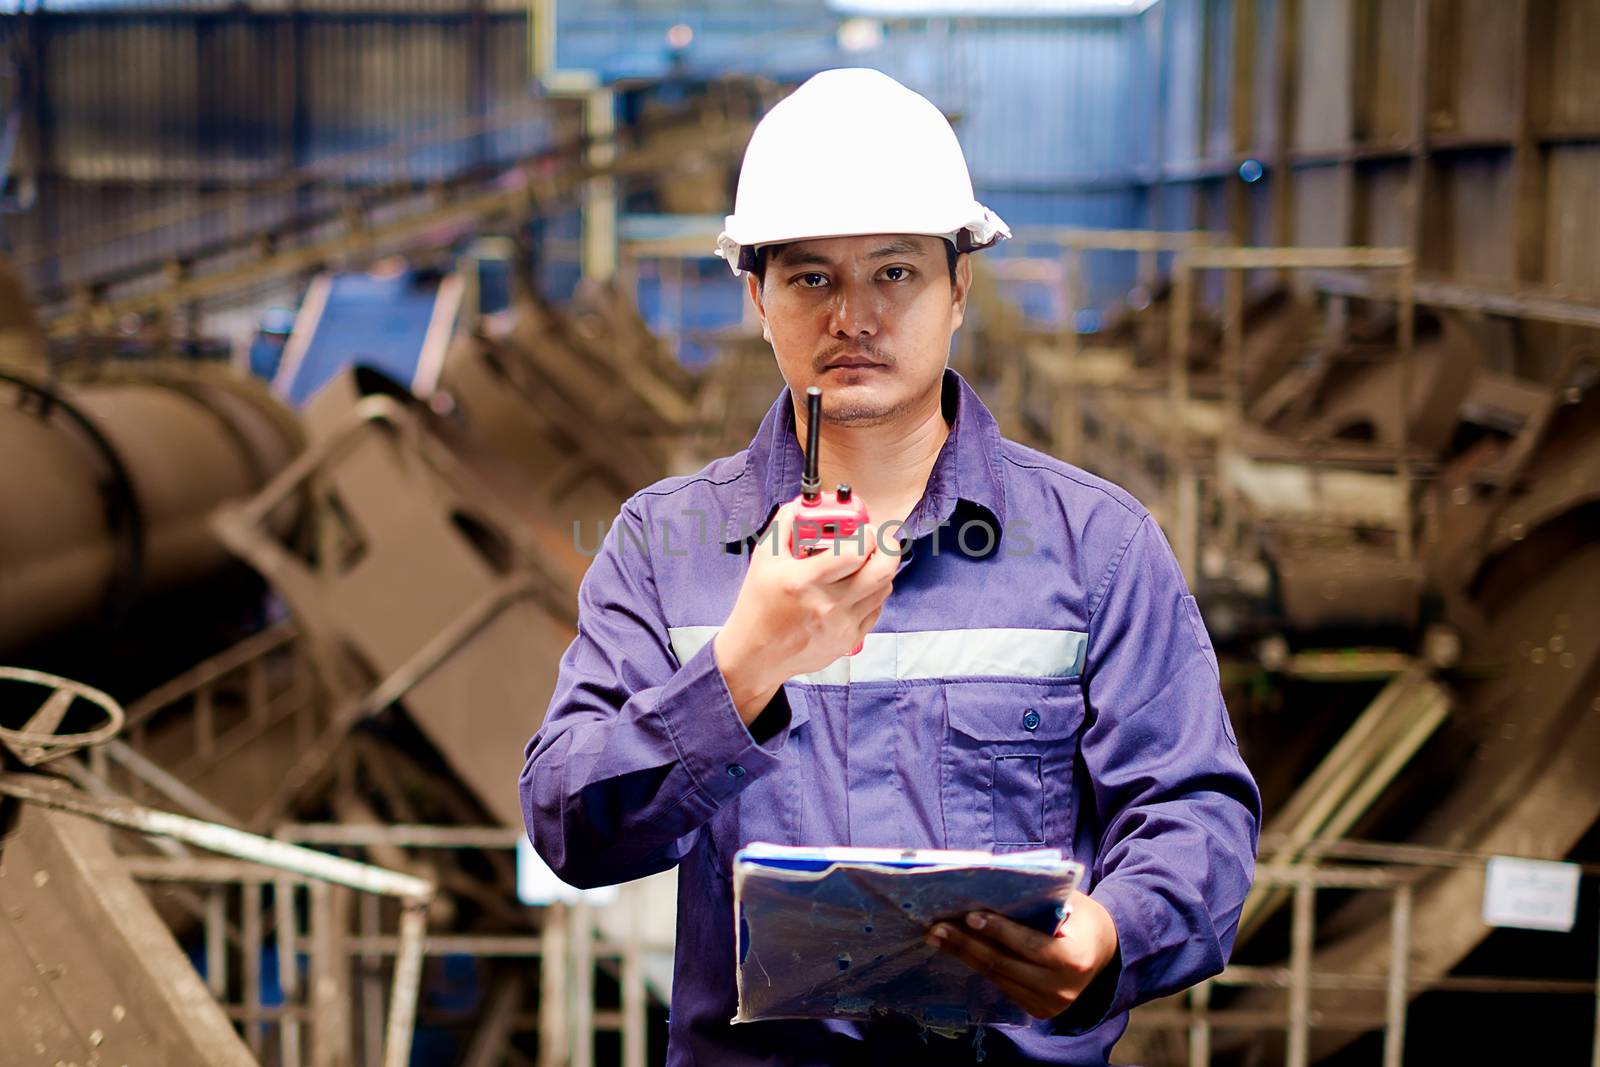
[1530, 894]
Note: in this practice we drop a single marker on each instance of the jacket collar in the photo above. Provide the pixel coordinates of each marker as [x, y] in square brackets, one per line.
[966, 470]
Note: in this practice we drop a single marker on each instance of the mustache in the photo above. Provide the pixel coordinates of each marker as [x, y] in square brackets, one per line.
[864, 349]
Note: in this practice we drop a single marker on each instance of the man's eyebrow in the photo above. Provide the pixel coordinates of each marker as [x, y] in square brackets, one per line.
[796, 255]
[901, 247]
[792, 256]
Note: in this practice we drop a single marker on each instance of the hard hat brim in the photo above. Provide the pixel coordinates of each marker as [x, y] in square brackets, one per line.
[977, 229]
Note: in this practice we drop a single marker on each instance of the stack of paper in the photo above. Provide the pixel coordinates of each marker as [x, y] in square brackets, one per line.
[838, 932]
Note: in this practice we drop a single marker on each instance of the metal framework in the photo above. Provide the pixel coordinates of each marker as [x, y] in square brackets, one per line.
[402, 213]
[1076, 245]
[1400, 874]
[568, 948]
[1233, 262]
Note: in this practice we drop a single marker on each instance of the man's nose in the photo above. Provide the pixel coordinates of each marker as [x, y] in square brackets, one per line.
[854, 313]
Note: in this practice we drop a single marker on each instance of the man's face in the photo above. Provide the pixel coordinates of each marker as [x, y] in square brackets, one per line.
[867, 319]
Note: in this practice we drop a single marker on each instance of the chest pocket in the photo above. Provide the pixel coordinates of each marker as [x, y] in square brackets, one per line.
[1007, 768]
[769, 809]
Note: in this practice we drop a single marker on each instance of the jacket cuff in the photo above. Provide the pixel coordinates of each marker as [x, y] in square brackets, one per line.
[718, 751]
[1115, 989]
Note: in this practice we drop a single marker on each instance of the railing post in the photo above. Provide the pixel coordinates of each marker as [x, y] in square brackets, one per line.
[216, 935]
[581, 947]
[554, 1046]
[1200, 1025]
[288, 971]
[635, 1000]
[1184, 518]
[250, 938]
[371, 984]
[1300, 947]
[1595, 1054]
[407, 983]
[1394, 1031]
[1406, 309]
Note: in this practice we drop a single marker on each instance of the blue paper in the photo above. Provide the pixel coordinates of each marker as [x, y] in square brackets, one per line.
[838, 933]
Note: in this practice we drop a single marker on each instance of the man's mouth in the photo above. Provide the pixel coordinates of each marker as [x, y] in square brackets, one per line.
[850, 361]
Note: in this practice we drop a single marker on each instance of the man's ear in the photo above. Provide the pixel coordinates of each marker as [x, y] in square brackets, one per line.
[960, 290]
[754, 285]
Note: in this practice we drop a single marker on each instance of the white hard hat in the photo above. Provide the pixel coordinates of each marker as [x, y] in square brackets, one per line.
[853, 152]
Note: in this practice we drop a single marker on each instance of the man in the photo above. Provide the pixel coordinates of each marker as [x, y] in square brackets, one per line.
[1038, 677]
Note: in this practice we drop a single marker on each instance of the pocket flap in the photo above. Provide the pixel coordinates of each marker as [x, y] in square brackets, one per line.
[1015, 711]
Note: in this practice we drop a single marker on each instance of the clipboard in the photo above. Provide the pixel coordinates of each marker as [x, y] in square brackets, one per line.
[837, 933]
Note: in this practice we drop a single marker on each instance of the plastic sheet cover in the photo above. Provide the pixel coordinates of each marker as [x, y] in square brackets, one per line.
[837, 933]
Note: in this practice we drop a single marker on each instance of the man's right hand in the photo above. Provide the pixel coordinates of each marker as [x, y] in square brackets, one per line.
[798, 615]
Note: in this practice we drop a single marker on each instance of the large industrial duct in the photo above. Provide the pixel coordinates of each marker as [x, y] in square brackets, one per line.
[108, 481]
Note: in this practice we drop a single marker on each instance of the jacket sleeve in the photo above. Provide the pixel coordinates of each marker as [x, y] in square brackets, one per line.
[636, 751]
[1181, 813]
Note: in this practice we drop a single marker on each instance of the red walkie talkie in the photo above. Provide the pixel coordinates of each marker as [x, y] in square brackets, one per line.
[822, 517]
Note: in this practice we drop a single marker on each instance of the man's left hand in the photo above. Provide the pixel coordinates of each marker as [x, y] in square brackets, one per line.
[1041, 973]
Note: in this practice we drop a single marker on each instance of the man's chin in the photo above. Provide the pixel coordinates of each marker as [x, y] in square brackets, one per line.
[860, 405]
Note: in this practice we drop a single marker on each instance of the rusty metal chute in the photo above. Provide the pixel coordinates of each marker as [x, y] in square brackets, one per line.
[425, 585]
[89, 972]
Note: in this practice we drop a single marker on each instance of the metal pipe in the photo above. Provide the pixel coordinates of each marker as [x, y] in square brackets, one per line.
[223, 839]
[480, 945]
[368, 834]
[112, 480]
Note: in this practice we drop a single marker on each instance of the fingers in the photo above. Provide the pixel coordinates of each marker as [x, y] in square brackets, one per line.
[1024, 941]
[876, 574]
[868, 621]
[988, 959]
[1039, 991]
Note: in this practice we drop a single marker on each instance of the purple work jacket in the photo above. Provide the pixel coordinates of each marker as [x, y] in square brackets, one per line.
[1040, 677]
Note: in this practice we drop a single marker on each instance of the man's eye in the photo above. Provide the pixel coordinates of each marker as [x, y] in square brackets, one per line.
[896, 274]
[812, 280]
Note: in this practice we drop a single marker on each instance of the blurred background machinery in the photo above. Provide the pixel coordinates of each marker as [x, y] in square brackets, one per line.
[332, 335]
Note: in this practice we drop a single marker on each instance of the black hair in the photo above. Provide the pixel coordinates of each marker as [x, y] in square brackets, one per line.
[759, 269]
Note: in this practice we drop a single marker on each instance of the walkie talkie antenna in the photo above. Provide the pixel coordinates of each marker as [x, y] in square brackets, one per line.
[811, 482]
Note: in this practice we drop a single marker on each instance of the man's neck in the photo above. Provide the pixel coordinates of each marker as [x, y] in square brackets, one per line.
[887, 465]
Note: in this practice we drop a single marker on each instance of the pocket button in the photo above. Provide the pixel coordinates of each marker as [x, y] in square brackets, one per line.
[1030, 720]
